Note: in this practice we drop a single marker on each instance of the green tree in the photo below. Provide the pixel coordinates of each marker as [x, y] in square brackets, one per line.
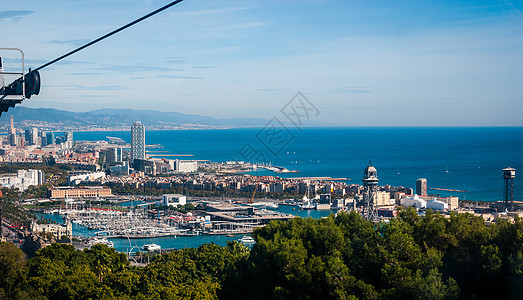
[105, 260]
[176, 276]
[12, 271]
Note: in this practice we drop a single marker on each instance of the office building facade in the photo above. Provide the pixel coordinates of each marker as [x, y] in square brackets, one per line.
[421, 187]
[50, 138]
[114, 156]
[137, 141]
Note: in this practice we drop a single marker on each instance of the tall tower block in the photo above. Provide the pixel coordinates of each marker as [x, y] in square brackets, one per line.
[508, 188]
[12, 128]
[137, 141]
[370, 187]
[421, 186]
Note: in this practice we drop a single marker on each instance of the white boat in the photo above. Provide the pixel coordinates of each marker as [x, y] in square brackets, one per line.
[307, 205]
[247, 239]
[290, 202]
[100, 241]
[151, 247]
[272, 205]
[268, 205]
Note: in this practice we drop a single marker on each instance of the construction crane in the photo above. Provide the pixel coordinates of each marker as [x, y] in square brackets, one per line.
[254, 192]
[29, 83]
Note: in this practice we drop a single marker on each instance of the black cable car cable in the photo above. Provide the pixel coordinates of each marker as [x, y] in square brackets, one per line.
[110, 33]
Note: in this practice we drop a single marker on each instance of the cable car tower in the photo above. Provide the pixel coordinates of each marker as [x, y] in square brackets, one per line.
[24, 87]
[508, 188]
[370, 187]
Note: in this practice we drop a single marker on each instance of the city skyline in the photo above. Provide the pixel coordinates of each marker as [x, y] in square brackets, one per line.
[414, 64]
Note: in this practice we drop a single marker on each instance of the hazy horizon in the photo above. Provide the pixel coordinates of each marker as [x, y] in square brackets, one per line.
[286, 124]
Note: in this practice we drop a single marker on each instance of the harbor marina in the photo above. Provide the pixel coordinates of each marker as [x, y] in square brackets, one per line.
[186, 230]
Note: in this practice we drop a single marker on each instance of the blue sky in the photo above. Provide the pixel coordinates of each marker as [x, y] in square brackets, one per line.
[362, 63]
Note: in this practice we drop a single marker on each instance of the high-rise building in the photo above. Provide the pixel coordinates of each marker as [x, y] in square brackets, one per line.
[370, 187]
[12, 125]
[34, 136]
[28, 135]
[421, 187]
[12, 139]
[113, 155]
[43, 138]
[69, 136]
[20, 139]
[68, 139]
[31, 136]
[137, 141]
[12, 133]
[50, 138]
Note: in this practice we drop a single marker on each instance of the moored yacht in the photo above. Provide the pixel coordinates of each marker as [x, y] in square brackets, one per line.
[247, 239]
[100, 241]
[151, 247]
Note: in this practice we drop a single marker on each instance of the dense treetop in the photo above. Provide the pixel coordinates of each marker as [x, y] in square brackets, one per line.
[339, 257]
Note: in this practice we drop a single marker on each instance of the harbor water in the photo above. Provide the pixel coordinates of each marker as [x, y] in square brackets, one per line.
[134, 245]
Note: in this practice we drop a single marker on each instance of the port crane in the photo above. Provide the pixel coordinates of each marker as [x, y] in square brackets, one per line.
[29, 83]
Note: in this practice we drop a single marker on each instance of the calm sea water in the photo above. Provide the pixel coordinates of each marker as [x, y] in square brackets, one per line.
[454, 158]
[468, 159]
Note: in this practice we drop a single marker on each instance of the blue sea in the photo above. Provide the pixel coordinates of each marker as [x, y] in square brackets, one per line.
[469, 159]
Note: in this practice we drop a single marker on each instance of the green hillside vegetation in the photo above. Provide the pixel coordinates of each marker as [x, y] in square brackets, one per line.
[339, 257]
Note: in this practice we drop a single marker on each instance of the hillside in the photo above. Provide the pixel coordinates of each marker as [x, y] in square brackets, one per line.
[102, 119]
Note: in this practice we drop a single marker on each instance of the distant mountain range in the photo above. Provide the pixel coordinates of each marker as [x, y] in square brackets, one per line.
[117, 119]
